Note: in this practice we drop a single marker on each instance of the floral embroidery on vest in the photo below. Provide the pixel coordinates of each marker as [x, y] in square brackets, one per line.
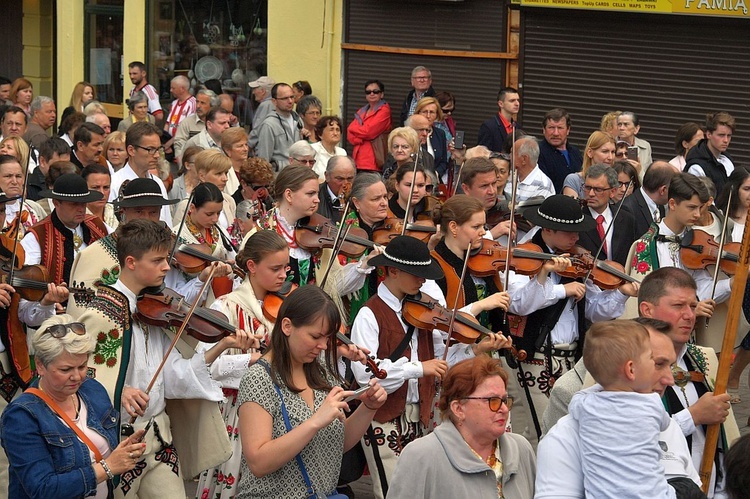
[646, 259]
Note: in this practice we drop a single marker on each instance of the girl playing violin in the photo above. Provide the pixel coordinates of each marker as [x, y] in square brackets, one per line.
[265, 257]
[462, 222]
[405, 177]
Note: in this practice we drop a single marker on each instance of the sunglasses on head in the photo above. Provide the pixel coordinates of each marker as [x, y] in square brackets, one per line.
[60, 330]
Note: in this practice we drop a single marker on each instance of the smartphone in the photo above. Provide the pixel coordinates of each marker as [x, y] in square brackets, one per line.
[357, 393]
[633, 153]
[146, 428]
[458, 140]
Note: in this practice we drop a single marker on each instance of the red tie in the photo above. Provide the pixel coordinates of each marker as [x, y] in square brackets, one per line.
[600, 231]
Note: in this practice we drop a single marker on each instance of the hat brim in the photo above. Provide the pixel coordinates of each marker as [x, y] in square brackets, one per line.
[4, 199]
[88, 198]
[433, 271]
[142, 201]
[532, 215]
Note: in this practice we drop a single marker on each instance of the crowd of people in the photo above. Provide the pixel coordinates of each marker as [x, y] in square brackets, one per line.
[255, 306]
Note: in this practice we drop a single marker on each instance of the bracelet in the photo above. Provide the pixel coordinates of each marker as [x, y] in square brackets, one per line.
[108, 471]
[368, 407]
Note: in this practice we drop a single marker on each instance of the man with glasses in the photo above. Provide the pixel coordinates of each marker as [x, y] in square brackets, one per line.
[217, 120]
[340, 171]
[143, 145]
[421, 82]
[558, 158]
[599, 188]
[281, 128]
[494, 131]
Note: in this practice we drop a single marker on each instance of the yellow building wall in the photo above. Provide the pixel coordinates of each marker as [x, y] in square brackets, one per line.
[295, 32]
[69, 48]
[37, 45]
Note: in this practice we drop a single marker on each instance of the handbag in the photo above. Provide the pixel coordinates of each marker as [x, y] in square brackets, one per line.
[311, 494]
[380, 149]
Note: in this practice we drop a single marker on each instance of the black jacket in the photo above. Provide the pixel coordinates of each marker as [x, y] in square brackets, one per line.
[635, 204]
[623, 236]
[553, 164]
[407, 103]
[492, 134]
[702, 156]
[326, 206]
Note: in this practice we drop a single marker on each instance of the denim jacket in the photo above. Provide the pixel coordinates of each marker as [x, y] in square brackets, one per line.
[47, 459]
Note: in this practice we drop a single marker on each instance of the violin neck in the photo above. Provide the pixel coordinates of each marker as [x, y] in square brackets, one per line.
[194, 252]
[359, 240]
[203, 314]
[522, 253]
[616, 272]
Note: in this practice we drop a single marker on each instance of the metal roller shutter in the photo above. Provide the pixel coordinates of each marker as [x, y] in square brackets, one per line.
[668, 69]
[476, 25]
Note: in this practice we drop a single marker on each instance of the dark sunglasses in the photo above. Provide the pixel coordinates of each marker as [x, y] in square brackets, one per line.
[495, 403]
[449, 111]
[368, 92]
[256, 187]
[60, 330]
[429, 187]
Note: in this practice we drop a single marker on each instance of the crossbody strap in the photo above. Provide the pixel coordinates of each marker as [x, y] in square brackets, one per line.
[53, 405]
[288, 424]
[396, 354]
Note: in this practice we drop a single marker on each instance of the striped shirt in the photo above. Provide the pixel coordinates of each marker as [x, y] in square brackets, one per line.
[154, 105]
[177, 112]
[536, 183]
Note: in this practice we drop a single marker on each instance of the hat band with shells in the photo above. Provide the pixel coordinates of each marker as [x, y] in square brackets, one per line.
[71, 195]
[406, 262]
[560, 220]
[143, 194]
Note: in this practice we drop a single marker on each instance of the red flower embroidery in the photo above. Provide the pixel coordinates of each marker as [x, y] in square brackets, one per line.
[101, 337]
[640, 246]
[204, 495]
[114, 334]
[643, 267]
[111, 362]
[220, 477]
[98, 359]
[230, 480]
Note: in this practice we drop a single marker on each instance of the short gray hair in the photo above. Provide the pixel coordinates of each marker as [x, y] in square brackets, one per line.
[245, 209]
[362, 182]
[418, 69]
[136, 99]
[301, 148]
[182, 81]
[46, 348]
[215, 101]
[596, 171]
[335, 160]
[306, 102]
[94, 107]
[528, 147]
[38, 102]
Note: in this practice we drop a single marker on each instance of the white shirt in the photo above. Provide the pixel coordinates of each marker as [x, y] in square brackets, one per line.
[607, 220]
[669, 256]
[321, 158]
[653, 208]
[697, 170]
[536, 183]
[365, 332]
[188, 378]
[127, 173]
[204, 141]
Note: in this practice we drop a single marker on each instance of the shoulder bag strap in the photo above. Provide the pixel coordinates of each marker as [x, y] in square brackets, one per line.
[288, 424]
[393, 357]
[53, 405]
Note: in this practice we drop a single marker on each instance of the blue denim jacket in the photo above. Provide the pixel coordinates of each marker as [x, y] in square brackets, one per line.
[47, 459]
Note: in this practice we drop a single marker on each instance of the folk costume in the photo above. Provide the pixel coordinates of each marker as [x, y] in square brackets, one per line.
[97, 265]
[551, 326]
[243, 310]
[400, 350]
[127, 354]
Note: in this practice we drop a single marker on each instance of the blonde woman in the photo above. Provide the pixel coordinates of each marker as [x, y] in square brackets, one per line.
[402, 143]
[600, 149]
[234, 144]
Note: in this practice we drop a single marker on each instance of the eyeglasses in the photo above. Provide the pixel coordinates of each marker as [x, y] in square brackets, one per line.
[151, 150]
[306, 162]
[429, 187]
[425, 130]
[60, 330]
[598, 190]
[625, 184]
[313, 113]
[448, 111]
[623, 154]
[256, 187]
[495, 403]
[370, 92]
[421, 78]
[428, 112]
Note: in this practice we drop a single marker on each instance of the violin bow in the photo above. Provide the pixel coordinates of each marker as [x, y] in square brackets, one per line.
[604, 239]
[176, 338]
[727, 348]
[457, 180]
[455, 303]
[182, 224]
[19, 221]
[411, 195]
[341, 233]
[512, 205]
[719, 256]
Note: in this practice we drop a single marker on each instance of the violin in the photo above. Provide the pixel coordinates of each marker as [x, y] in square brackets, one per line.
[372, 366]
[193, 258]
[393, 227]
[29, 281]
[316, 232]
[526, 259]
[167, 308]
[274, 299]
[699, 249]
[424, 312]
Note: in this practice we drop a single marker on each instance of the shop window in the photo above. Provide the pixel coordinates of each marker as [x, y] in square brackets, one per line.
[103, 47]
[222, 40]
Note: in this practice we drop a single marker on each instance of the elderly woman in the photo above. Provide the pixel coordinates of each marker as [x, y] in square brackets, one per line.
[402, 143]
[309, 109]
[114, 150]
[370, 126]
[470, 454]
[328, 131]
[61, 435]
[234, 145]
[301, 153]
[138, 107]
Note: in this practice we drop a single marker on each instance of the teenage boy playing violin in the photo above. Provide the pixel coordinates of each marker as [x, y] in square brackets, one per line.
[555, 310]
[660, 247]
[411, 356]
[128, 354]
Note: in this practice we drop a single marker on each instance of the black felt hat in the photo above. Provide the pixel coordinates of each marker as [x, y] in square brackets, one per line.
[71, 187]
[560, 212]
[410, 255]
[142, 192]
